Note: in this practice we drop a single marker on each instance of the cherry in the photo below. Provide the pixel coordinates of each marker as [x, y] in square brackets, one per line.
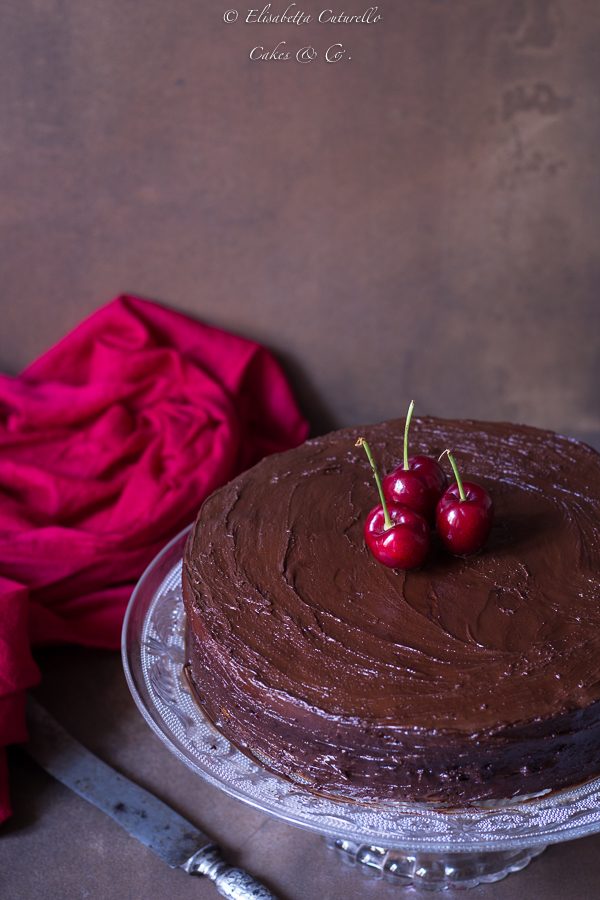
[464, 515]
[418, 483]
[406, 487]
[396, 535]
[432, 475]
[402, 545]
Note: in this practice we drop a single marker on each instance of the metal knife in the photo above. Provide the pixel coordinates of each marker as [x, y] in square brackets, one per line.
[139, 812]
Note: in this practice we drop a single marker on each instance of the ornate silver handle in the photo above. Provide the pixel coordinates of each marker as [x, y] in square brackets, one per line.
[229, 881]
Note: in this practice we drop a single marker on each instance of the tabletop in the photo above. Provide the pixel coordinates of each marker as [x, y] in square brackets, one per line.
[58, 846]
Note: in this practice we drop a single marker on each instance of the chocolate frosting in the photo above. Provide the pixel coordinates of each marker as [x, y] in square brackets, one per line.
[466, 679]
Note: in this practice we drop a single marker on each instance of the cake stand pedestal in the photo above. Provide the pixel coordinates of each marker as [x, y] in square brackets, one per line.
[441, 849]
[433, 871]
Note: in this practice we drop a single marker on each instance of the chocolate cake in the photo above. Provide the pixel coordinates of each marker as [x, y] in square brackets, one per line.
[464, 680]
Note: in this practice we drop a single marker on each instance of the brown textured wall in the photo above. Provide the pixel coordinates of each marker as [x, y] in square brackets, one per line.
[422, 220]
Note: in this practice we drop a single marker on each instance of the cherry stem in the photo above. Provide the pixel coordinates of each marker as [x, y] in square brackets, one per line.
[386, 513]
[461, 490]
[406, 428]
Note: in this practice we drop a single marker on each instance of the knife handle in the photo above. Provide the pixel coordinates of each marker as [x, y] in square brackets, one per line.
[229, 881]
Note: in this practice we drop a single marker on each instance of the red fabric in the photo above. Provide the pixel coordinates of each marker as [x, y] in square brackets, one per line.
[108, 444]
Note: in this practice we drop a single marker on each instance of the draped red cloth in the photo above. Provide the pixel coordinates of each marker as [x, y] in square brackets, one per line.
[108, 444]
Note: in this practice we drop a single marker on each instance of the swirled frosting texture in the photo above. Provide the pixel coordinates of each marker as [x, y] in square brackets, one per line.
[466, 679]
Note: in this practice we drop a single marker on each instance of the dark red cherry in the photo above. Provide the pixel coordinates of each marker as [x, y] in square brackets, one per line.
[419, 482]
[405, 486]
[396, 535]
[431, 474]
[464, 516]
[405, 544]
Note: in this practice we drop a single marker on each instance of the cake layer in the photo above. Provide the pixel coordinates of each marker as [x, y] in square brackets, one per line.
[467, 679]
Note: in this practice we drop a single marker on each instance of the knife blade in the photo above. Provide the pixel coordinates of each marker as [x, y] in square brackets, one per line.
[146, 818]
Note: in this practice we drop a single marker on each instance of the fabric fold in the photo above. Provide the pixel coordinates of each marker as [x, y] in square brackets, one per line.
[109, 442]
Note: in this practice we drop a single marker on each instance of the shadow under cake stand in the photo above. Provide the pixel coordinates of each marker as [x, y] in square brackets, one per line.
[406, 844]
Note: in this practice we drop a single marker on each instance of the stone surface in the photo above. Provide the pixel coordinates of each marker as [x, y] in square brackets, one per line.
[431, 205]
[58, 846]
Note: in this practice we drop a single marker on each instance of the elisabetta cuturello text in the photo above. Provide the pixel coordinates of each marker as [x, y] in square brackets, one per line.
[292, 15]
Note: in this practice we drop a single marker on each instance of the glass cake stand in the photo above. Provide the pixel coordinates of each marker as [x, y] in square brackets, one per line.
[407, 844]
